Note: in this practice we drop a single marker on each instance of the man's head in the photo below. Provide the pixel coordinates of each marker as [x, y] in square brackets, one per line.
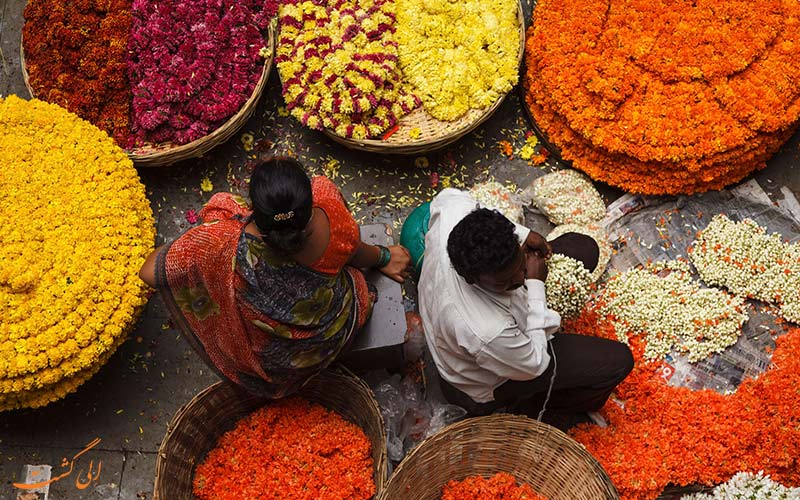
[485, 251]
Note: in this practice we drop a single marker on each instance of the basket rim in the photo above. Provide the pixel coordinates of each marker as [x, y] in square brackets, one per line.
[493, 420]
[380, 466]
[148, 155]
[379, 145]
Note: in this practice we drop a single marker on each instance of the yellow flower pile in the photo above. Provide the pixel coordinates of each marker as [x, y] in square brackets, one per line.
[76, 229]
[458, 55]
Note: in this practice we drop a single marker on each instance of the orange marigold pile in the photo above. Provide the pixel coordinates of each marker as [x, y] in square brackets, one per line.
[289, 450]
[665, 97]
[669, 435]
[501, 486]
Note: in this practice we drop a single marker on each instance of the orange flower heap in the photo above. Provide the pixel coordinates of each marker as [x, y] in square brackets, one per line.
[667, 435]
[665, 97]
[501, 486]
[289, 450]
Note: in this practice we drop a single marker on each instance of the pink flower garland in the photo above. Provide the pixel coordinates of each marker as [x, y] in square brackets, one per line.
[192, 65]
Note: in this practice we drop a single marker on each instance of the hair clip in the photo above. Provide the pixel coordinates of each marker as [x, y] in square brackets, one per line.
[282, 217]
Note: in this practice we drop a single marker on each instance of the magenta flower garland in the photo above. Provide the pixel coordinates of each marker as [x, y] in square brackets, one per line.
[192, 65]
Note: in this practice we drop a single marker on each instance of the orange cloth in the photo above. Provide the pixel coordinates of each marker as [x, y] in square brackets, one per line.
[260, 319]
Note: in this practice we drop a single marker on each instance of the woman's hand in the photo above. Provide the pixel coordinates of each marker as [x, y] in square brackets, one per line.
[398, 265]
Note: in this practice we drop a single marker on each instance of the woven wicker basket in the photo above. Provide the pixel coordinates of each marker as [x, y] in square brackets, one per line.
[156, 155]
[197, 426]
[552, 463]
[434, 134]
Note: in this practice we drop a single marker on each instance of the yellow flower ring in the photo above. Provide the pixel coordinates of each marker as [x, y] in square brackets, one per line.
[69, 288]
[458, 55]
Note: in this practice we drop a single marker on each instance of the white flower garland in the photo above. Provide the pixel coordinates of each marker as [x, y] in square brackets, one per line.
[598, 234]
[743, 258]
[567, 196]
[748, 486]
[664, 304]
[493, 195]
[567, 286]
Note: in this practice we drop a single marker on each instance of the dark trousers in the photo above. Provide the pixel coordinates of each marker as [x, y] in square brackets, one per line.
[587, 369]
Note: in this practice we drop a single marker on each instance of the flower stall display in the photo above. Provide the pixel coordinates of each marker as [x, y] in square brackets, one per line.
[660, 435]
[665, 97]
[501, 486]
[338, 66]
[192, 65]
[567, 286]
[493, 195]
[743, 258]
[567, 197]
[69, 284]
[748, 486]
[75, 57]
[665, 305]
[458, 56]
[288, 450]
[151, 74]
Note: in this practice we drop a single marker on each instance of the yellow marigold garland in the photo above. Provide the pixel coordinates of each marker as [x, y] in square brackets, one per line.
[69, 288]
[458, 55]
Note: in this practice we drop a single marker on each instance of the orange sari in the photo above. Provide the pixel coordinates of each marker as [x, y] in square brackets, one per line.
[260, 319]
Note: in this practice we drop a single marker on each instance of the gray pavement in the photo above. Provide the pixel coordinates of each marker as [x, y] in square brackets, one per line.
[129, 403]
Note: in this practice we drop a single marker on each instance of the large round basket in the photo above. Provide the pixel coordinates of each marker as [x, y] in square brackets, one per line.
[197, 426]
[433, 134]
[167, 153]
[551, 462]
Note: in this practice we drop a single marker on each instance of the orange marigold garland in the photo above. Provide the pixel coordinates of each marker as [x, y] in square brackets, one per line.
[668, 435]
[694, 106]
[501, 486]
[289, 450]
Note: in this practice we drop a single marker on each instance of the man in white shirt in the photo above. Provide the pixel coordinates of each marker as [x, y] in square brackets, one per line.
[486, 320]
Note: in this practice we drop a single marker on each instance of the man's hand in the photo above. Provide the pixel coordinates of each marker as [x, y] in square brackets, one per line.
[535, 266]
[535, 243]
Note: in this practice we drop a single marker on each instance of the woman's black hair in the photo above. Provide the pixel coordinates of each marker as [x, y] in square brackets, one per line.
[280, 191]
[482, 242]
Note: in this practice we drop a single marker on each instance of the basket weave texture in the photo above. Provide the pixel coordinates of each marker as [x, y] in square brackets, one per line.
[434, 134]
[551, 462]
[167, 153]
[197, 426]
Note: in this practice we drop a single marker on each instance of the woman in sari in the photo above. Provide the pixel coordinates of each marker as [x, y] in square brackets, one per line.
[270, 296]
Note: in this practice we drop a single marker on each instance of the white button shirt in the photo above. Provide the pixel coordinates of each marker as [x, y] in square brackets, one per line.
[479, 339]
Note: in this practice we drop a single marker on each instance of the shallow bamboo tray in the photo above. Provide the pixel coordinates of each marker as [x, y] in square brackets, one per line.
[197, 426]
[167, 153]
[435, 134]
[551, 462]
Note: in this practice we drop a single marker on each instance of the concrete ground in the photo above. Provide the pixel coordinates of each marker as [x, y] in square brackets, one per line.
[129, 403]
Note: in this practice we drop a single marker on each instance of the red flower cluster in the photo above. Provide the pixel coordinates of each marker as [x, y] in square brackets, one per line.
[665, 97]
[501, 486]
[75, 57]
[289, 450]
[193, 65]
[675, 436]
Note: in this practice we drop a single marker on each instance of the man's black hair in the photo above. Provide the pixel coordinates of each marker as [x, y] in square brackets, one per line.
[482, 242]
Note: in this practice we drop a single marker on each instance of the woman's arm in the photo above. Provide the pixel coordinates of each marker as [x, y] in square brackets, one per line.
[369, 256]
[148, 271]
